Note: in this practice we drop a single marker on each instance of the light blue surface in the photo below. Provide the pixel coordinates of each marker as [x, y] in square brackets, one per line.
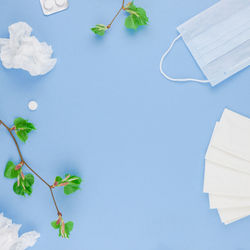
[106, 113]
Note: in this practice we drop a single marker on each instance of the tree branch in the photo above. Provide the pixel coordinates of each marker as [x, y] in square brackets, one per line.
[116, 15]
[53, 197]
[25, 163]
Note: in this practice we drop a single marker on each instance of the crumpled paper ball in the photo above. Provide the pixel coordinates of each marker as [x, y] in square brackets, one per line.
[23, 51]
[9, 239]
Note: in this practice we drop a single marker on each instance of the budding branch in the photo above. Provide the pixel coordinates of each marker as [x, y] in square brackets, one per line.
[122, 8]
[25, 163]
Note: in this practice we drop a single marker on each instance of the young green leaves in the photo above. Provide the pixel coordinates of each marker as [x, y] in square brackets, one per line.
[64, 228]
[10, 171]
[99, 29]
[24, 183]
[23, 128]
[137, 17]
[70, 183]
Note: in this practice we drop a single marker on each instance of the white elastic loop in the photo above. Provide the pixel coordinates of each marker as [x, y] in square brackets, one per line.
[176, 79]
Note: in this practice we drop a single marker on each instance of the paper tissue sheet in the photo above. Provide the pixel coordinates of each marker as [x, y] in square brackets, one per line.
[23, 51]
[220, 201]
[9, 239]
[227, 167]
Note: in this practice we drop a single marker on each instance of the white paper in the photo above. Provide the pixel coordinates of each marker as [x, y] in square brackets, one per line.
[234, 220]
[234, 119]
[233, 135]
[227, 167]
[9, 239]
[220, 201]
[23, 51]
[224, 181]
[226, 159]
[228, 215]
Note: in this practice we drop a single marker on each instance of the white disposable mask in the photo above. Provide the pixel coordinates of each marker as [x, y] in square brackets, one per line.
[219, 40]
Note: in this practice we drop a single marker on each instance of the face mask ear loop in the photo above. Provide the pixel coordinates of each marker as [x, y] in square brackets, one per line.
[176, 79]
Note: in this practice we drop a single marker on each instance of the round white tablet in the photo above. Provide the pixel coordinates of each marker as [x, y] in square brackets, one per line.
[48, 4]
[33, 105]
[60, 2]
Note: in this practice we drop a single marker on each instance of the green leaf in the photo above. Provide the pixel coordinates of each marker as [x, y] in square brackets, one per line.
[23, 128]
[10, 171]
[54, 225]
[22, 135]
[136, 18]
[20, 123]
[99, 29]
[58, 179]
[71, 183]
[28, 190]
[131, 22]
[30, 126]
[25, 186]
[70, 188]
[74, 179]
[131, 8]
[29, 180]
[18, 189]
[68, 227]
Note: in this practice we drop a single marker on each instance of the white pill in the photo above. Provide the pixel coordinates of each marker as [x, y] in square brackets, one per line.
[60, 2]
[48, 4]
[33, 105]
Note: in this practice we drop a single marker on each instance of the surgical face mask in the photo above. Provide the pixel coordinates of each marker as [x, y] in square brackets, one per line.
[219, 40]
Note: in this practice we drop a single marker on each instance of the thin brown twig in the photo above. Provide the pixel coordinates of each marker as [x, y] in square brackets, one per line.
[14, 139]
[116, 15]
[24, 162]
[53, 197]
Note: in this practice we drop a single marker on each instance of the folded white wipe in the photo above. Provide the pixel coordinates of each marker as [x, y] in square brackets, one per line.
[9, 239]
[227, 167]
[23, 51]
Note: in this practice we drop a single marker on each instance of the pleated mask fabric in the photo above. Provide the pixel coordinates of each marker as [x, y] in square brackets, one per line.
[219, 40]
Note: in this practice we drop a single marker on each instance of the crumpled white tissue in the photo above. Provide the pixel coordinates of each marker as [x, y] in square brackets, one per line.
[9, 239]
[23, 51]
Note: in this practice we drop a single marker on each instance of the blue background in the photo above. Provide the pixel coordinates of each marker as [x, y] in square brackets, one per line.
[107, 114]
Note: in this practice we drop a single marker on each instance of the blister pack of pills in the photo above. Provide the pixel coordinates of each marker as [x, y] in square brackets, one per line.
[52, 6]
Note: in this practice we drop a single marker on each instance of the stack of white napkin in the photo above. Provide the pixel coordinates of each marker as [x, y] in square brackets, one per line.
[227, 167]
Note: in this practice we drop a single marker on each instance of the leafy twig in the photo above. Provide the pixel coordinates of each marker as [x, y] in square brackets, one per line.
[123, 1]
[137, 17]
[25, 182]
